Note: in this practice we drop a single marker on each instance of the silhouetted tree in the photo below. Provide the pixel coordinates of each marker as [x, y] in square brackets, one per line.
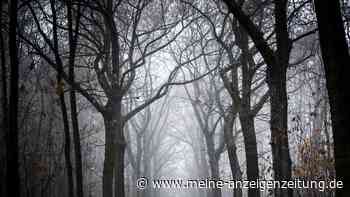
[335, 54]
[12, 167]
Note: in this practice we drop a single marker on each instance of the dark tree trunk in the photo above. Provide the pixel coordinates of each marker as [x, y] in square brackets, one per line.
[114, 151]
[131, 189]
[4, 105]
[119, 167]
[108, 165]
[67, 141]
[336, 65]
[72, 98]
[251, 152]
[278, 126]
[231, 150]
[276, 74]
[12, 172]
[246, 116]
[76, 140]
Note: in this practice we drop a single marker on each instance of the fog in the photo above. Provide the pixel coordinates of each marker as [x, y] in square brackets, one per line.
[164, 98]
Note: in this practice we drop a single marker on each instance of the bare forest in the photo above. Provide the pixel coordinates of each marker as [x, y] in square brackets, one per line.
[174, 98]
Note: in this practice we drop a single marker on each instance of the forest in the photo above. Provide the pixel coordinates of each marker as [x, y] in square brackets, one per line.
[174, 98]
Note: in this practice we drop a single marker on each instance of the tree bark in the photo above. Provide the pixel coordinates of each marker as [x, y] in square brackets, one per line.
[12, 172]
[114, 151]
[246, 116]
[108, 165]
[251, 152]
[336, 58]
[119, 169]
[67, 141]
[4, 106]
[73, 101]
[276, 74]
[231, 150]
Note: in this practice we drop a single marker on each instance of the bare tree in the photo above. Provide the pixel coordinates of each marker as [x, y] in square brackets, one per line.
[277, 63]
[204, 107]
[148, 128]
[223, 30]
[115, 74]
[84, 108]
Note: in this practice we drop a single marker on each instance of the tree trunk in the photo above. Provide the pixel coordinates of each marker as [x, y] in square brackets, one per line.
[148, 172]
[114, 152]
[215, 175]
[67, 141]
[246, 116]
[119, 168]
[108, 165]
[12, 172]
[231, 150]
[278, 126]
[213, 164]
[73, 101]
[4, 106]
[336, 59]
[138, 161]
[76, 141]
[251, 152]
[204, 168]
[276, 79]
